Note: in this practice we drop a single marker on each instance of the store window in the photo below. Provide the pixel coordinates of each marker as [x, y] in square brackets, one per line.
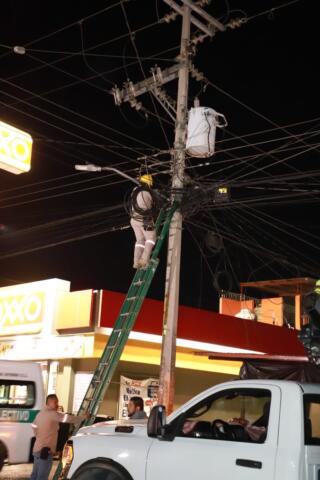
[81, 383]
[240, 415]
[312, 419]
[17, 394]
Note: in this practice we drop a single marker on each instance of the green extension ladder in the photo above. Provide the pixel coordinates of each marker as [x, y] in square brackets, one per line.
[123, 325]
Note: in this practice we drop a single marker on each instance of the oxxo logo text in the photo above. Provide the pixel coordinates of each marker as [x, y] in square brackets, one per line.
[21, 313]
[15, 149]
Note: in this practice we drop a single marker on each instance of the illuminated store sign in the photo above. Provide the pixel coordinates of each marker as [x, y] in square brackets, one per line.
[15, 149]
[21, 313]
[30, 308]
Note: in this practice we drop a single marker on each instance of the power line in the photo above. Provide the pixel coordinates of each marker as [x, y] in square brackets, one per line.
[70, 25]
[260, 115]
[214, 162]
[54, 224]
[72, 192]
[63, 242]
[252, 110]
[286, 224]
[68, 122]
[142, 71]
[235, 162]
[108, 72]
[277, 162]
[271, 10]
[97, 74]
[94, 55]
[260, 132]
[257, 224]
[264, 142]
[250, 246]
[102, 44]
[84, 117]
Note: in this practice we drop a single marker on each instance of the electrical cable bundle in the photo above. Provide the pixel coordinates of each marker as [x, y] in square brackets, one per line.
[141, 213]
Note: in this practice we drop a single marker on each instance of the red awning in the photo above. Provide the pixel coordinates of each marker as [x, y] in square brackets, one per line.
[207, 327]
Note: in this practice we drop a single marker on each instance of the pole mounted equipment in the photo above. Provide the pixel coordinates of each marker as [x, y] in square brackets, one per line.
[192, 14]
[208, 24]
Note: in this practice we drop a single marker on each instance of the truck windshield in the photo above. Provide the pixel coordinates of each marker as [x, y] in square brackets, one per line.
[239, 415]
[17, 394]
[312, 419]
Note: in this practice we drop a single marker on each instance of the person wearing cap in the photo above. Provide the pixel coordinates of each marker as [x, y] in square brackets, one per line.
[142, 221]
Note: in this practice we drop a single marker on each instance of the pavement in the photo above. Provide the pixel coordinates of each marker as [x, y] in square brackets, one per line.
[20, 472]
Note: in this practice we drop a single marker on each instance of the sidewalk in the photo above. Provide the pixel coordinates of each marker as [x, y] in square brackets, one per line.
[21, 472]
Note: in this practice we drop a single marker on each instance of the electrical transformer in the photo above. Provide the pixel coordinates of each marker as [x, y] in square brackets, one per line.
[202, 125]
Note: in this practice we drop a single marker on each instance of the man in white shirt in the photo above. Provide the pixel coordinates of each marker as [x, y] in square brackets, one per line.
[46, 427]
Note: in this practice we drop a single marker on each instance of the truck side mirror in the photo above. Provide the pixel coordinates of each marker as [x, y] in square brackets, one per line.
[156, 421]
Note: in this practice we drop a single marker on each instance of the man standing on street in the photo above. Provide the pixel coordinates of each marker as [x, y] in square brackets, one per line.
[136, 409]
[46, 426]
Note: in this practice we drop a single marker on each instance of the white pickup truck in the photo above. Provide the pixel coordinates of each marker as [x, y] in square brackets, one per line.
[255, 429]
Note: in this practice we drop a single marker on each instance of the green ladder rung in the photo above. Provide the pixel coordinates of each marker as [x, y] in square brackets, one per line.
[123, 326]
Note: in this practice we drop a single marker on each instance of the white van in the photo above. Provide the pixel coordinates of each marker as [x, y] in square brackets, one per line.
[21, 398]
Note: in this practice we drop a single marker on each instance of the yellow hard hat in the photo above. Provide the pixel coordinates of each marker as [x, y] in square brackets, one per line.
[147, 179]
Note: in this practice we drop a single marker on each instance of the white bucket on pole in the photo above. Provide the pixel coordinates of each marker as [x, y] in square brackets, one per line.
[202, 125]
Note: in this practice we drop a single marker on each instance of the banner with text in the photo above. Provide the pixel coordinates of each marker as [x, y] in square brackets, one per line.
[146, 389]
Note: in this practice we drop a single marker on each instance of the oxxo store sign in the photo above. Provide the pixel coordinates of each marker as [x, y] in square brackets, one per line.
[27, 309]
[20, 314]
[15, 149]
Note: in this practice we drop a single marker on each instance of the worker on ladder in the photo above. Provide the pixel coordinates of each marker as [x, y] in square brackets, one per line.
[143, 211]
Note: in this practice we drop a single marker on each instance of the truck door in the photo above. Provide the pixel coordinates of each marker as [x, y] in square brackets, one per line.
[231, 434]
[312, 435]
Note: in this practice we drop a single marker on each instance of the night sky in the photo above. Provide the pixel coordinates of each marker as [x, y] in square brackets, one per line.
[61, 95]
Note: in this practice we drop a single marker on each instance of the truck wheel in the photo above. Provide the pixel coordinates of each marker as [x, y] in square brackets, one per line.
[100, 470]
[3, 455]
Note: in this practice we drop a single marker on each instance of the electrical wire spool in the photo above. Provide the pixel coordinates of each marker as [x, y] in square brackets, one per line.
[140, 213]
[202, 126]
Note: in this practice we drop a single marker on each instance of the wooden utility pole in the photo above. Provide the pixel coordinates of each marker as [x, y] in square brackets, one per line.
[191, 13]
[170, 319]
[171, 308]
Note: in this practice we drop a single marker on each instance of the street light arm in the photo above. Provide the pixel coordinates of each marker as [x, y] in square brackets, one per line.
[95, 168]
[88, 168]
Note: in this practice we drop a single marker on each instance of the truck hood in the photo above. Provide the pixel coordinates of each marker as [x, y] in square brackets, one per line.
[119, 427]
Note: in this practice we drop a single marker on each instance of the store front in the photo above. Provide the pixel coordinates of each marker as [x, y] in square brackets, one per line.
[67, 331]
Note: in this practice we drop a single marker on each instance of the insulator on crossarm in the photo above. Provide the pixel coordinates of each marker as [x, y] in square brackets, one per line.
[203, 3]
[117, 96]
[170, 17]
[236, 23]
[199, 38]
